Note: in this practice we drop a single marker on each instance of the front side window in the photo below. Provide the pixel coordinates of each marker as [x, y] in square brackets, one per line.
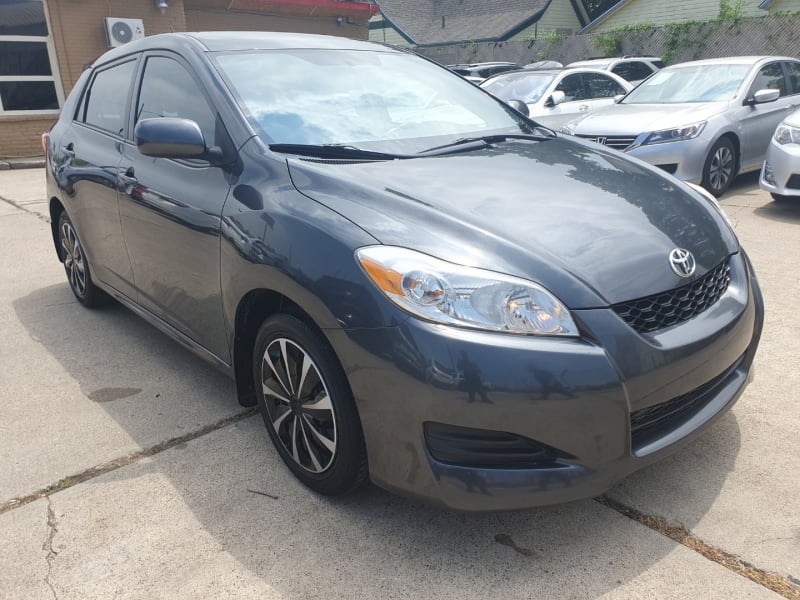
[770, 77]
[106, 101]
[601, 86]
[168, 90]
[390, 101]
[572, 86]
[28, 72]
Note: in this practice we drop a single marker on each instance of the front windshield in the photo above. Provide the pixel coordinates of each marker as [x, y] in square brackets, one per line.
[527, 87]
[382, 100]
[702, 83]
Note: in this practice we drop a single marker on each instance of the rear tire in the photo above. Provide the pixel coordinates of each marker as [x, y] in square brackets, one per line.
[79, 275]
[719, 169]
[307, 406]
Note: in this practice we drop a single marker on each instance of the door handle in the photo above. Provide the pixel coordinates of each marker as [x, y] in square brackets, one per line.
[128, 178]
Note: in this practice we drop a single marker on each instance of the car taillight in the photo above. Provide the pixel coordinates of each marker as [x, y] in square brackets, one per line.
[44, 143]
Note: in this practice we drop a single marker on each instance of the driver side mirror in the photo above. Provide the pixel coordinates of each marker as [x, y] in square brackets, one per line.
[555, 99]
[763, 96]
[519, 106]
[167, 137]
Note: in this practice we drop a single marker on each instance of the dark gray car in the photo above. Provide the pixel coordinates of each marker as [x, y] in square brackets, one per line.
[416, 284]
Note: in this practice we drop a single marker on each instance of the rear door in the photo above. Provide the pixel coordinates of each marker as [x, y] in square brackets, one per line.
[171, 209]
[89, 153]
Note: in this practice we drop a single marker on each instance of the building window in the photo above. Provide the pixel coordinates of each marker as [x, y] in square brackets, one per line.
[29, 82]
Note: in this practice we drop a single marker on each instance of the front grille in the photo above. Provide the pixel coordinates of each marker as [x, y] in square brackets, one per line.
[666, 309]
[794, 182]
[656, 421]
[618, 142]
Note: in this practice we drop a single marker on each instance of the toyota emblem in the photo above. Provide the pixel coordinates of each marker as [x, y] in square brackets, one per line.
[682, 262]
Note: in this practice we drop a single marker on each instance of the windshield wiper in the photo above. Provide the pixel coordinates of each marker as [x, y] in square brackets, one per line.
[488, 140]
[334, 151]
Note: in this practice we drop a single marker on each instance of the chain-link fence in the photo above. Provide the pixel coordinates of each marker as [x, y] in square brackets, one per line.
[771, 35]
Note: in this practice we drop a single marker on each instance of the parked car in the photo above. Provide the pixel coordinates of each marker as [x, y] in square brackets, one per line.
[415, 283]
[554, 97]
[704, 121]
[477, 72]
[780, 174]
[634, 69]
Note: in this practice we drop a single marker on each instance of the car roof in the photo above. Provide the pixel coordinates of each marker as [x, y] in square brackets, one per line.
[220, 41]
[731, 60]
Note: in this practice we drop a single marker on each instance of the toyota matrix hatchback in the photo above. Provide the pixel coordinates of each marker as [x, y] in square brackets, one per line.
[416, 284]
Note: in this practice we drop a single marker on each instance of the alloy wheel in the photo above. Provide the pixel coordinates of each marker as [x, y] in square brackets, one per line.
[74, 260]
[721, 168]
[299, 405]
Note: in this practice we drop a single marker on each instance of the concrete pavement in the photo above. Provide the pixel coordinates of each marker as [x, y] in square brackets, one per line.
[202, 507]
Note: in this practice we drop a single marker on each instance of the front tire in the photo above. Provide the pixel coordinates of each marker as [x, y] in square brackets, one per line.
[719, 169]
[307, 406]
[79, 275]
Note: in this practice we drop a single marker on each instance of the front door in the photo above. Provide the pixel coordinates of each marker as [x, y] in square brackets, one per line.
[171, 211]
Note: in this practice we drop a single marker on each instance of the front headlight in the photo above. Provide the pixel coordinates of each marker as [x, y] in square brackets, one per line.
[786, 134]
[452, 294]
[675, 135]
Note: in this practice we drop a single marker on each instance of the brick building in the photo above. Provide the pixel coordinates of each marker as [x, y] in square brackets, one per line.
[46, 44]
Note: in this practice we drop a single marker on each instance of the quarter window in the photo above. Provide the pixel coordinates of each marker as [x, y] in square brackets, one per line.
[28, 73]
[106, 101]
[168, 90]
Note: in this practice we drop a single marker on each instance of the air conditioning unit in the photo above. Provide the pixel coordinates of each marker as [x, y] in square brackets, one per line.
[122, 31]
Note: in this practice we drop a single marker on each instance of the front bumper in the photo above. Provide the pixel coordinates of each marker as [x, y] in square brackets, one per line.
[685, 160]
[780, 173]
[572, 395]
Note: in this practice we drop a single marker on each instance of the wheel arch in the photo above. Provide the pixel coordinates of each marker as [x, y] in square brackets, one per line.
[253, 309]
[56, 208]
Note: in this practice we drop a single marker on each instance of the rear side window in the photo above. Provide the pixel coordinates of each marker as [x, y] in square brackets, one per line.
[632, 71]
[793, 70]
[106, 100]
[169, 90]
[770, 77]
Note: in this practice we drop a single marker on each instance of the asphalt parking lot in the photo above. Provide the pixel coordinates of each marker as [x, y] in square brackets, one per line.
[127, 469]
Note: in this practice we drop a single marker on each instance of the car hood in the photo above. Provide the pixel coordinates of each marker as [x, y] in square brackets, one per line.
[793, 119]
[593, 227]
[633, 119]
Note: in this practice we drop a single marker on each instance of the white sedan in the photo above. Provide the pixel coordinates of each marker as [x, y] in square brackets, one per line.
[780, 173]
[554, 97]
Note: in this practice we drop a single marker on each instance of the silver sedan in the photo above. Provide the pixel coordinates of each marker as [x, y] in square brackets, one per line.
[780, 174]
[555, 96]
[704, 121]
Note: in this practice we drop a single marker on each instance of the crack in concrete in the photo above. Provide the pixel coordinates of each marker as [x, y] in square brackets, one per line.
[772, 581]
[22, 208]
[122, 461]
[52, 529]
